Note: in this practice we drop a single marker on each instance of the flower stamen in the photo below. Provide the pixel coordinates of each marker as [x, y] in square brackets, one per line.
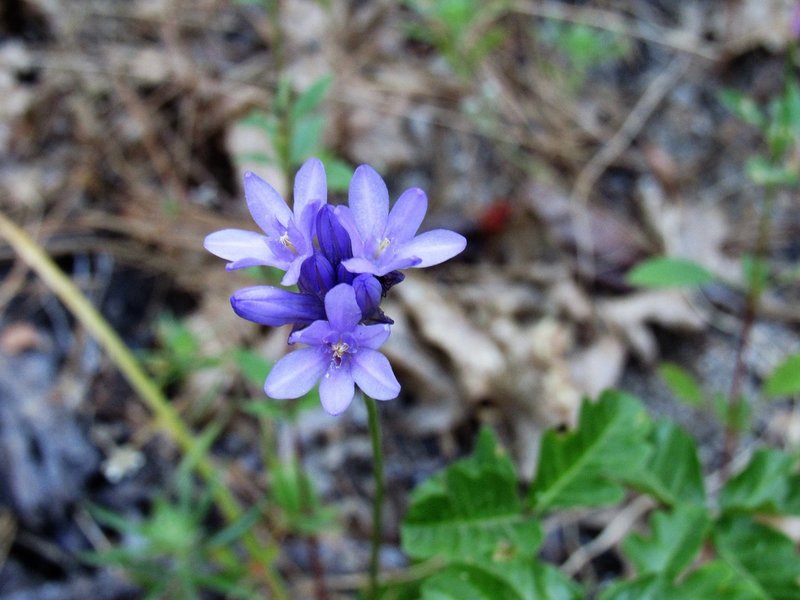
[287, 243]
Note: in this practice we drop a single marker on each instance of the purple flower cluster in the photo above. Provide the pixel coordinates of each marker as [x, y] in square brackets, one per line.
[343, 259]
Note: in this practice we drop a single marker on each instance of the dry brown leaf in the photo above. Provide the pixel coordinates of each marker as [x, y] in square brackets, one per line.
[632, 316]
[442, 323]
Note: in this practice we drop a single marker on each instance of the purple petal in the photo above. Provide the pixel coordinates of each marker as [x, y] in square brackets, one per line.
[296, 373]
[371, 336]
[336, 389]
[293, 271]
[275, 307]
[316, 276]
[264, 203]
[369, 200]
[305, 222]
[348, 221]
[368, 294]
[433, 247]
[334, 242]
[361, 265]
[236, 244]
[316, 334]
[309, 185]
[373, 374]
[341, 308]
[406, 215]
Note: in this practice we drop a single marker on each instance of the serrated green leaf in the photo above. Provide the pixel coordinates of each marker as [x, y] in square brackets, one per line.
[310, 100]
[682, 383]
[716, 579]
[768, 484]
[675, 539]
[648, 587]
[761, 556]
[518, 579]
[471, 510]
[672, 473]
[664, 272]
[584, 467]
[785, 379]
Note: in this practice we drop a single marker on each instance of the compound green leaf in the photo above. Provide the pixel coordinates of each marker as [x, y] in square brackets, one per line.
[584, 467]
[674, 541]
[471, 510]
[768, 484]
[761, 556]
[672, 473]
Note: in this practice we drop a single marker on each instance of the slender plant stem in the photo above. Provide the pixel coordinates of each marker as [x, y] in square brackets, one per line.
[165, 415]
[752, 301]
[377, 501]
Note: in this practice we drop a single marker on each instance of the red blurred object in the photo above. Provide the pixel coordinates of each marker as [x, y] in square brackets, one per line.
[495, 217]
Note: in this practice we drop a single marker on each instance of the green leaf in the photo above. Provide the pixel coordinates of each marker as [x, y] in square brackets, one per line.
[785, 379]
[675, 540]
[306, 138]
[583, 467]
[518, 579]
[672, 473]
[743, 107]
[682, 383]
[768, 484]
[471, 510]
[664, 272]
[649, 587]
[311, 98]
[756, 274]
[253, 366]
[764, 558]
[338, 172]
[764, 172]
[716, 579]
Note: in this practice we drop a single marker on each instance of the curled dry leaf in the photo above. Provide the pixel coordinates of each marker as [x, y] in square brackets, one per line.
[474, 355]
[632, 315]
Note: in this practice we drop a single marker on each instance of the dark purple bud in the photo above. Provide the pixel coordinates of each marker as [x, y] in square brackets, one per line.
[368, 296]
[390, 280]
[316, 276]
[274, 307]
[343, 275]
[334, 242]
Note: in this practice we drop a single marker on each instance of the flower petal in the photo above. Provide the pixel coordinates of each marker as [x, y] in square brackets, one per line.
[341, 308]
[316, 276]
[309, 185]
[316, 334]
[348, 221]
[236, 244]
[334, 241]
[406, 215]
[293, 271]
[371, 336]
[296, 373]
[274, 307]
[336, 389]
[361, 265]
[433, 247]
[373, 374]
[368, 294]
[368, 198]
[264, 203]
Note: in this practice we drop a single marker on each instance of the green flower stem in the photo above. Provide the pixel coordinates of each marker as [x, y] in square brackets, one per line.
[165, 415]
[377, 502]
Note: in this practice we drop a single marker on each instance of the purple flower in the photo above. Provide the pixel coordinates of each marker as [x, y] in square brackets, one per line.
[340, 355]
[384, 241]
[289, 233]
[273, 306]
